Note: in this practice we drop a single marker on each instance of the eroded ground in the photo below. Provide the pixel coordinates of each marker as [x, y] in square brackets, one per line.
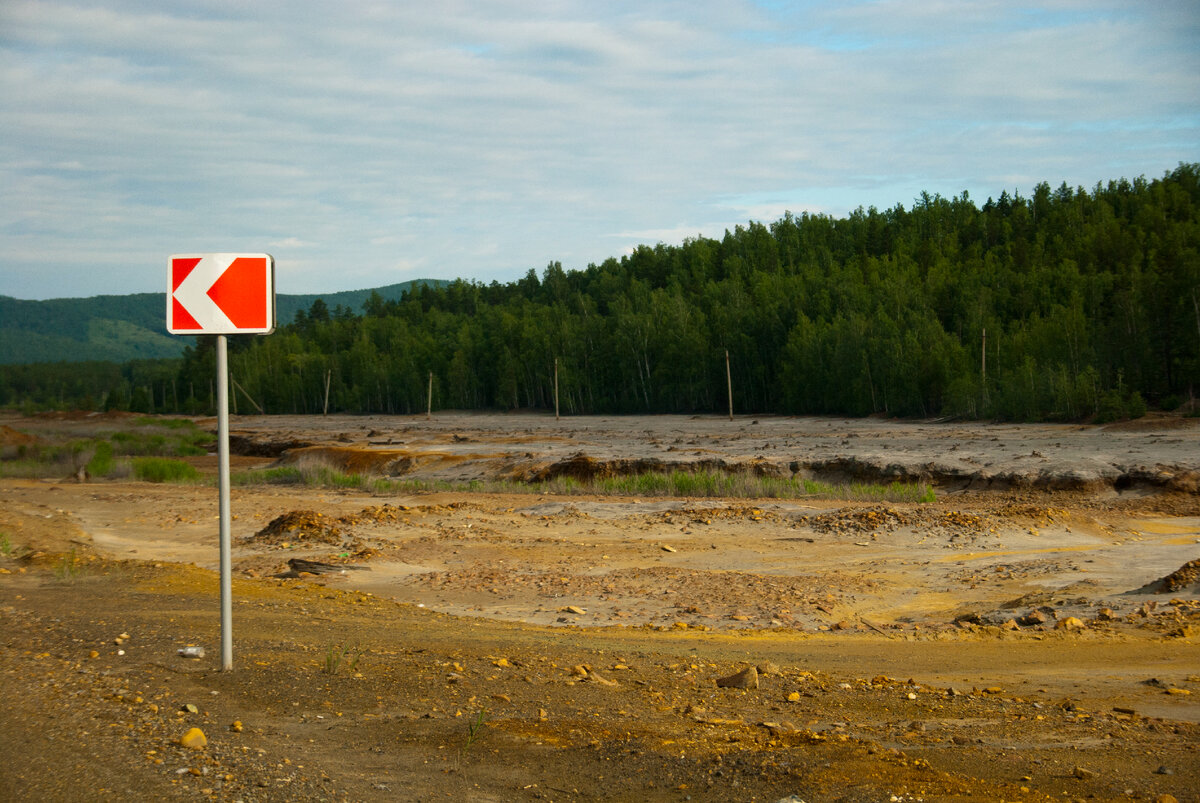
[1031, 635]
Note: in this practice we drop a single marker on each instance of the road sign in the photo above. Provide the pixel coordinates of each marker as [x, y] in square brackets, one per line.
[220, 294]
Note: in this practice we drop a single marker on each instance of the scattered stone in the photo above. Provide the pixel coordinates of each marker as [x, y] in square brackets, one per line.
[1070, 623]
[1032, 619]
[194, 739]
[745, 679]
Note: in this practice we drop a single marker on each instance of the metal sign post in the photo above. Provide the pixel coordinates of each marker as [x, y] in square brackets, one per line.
[222, 294]
[224, 507]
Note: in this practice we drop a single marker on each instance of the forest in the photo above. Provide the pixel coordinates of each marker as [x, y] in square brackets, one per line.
[1066, 305]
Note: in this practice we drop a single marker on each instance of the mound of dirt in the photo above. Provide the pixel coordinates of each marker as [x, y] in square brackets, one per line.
[1183, 578]
[309, 526]
[886, 519]
[13, 437]
[301, 525]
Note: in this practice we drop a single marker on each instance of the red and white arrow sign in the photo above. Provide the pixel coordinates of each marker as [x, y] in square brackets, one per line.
[220, 294]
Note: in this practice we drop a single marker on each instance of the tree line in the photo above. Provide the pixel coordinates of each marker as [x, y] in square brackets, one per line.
[1069, 304]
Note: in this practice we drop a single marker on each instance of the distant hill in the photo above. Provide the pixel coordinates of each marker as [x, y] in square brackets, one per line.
[130, 327]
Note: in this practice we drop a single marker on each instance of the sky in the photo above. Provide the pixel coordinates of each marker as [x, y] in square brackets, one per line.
[373, 142]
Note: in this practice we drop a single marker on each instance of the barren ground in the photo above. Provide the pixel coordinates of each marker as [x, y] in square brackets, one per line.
[1029, 636]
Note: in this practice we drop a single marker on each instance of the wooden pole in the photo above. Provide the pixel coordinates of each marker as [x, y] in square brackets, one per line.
[429, 399]
[249, 398]
[328, 376]
[729, 384]
[556, 388]
[983, 366]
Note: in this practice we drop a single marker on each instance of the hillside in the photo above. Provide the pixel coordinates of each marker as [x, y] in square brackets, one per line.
[129, 327]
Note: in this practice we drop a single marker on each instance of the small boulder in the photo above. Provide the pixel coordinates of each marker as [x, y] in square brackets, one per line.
[194, 739]
[745, 679]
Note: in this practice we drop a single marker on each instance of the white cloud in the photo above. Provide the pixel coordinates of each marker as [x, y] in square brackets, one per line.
[483, 138]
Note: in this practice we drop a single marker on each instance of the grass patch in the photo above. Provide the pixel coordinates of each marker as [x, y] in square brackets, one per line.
[69, 567]
[687, 484]
[103, 454]
[310, 475]
[475, 729]
[163, 469]
[341, 655]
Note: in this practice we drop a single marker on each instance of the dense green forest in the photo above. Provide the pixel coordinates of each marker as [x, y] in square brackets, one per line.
[1069, 305]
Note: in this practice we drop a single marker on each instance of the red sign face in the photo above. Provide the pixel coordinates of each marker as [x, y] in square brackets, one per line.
[220, 294]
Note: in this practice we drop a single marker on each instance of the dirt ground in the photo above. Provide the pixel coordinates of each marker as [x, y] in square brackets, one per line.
[1034, 634]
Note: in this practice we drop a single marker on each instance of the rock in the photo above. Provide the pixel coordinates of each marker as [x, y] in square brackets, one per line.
[1166, 799]
[768, 668]
[845, 624]
[666, 548]
[1070, 623]
[794, 697]
[573, 609]
[1011, 624]
[745, 679]
[1164, 770]
[1083, 774]
[236, 727]
[194, 739]
[1105, 615]
[190, 708]
[603, 681]
[1032, 618]
[502, 663]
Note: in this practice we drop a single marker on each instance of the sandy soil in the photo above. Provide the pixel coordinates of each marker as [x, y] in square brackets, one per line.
[1018, 639]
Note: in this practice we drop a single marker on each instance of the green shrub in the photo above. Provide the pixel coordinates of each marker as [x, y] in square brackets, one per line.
[163, 469]
[101, 464]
